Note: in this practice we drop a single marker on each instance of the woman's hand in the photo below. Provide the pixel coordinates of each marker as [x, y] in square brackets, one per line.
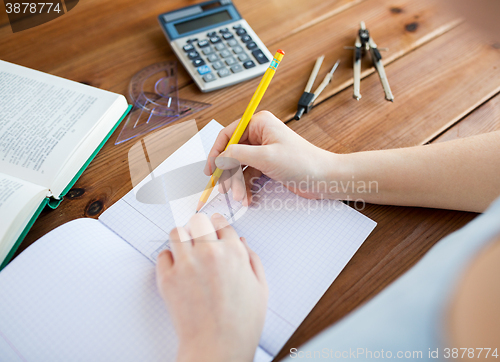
[268, 146]
[215, 290]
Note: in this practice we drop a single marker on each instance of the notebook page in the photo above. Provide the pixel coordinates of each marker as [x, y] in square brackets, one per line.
[80, 293]
[175, 204]
[303, 244]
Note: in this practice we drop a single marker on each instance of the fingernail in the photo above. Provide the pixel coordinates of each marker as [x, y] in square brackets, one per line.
[219, 162]
[217, 216]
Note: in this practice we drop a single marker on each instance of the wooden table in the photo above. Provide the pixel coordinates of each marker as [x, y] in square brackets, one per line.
[445, 80]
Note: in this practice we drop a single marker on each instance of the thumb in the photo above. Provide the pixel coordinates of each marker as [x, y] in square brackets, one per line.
[236, 155]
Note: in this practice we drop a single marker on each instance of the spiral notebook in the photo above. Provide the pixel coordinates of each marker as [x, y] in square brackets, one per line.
[87, 289]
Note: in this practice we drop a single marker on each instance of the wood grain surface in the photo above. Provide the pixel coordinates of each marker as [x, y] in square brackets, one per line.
[439, 70]
[484, 119]
[434, 86]
[417, 23]
[104, 43]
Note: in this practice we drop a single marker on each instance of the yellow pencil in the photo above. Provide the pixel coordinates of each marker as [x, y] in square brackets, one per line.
[242, 125]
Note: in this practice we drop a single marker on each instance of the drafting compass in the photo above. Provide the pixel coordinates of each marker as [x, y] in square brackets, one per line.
[307, 99]
[364, 43]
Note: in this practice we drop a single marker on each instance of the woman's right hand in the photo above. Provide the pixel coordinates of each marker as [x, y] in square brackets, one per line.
[268, 146]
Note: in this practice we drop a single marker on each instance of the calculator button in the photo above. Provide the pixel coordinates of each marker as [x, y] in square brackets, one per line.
[212, 57]
[192, 40]
[242, 57]
[230, 61]
[251, 45]
[237, 50]
[219, 46]
[193, 55]
[225, 53]
[241, 31]
[224, 72]
[246, 38]
[207, 50]
[198, 62]
[224, 30]
[209, 77]
[227, 36]
[236, 68]
[237, 26]
[249, 64]
[204, 69]
[232, 43]
[215, 39]
[203, 43]
[211, 34]
[188, 48]
[217, 65]
[260, 56]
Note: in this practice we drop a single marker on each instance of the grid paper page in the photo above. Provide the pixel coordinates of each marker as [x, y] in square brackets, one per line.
[303, 244]
[131, 216]
[81, 293]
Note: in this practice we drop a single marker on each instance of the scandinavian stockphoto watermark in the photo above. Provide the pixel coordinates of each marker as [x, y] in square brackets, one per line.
[355, 353]
[367, 353]
[161, 173]
[310, 194]
[167, 170]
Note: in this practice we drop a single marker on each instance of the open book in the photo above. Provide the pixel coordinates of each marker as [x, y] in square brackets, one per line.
[50, 130]
[87, 289]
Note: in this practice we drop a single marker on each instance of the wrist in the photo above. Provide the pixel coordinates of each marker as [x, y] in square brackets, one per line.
[355, 177]
[334, 173]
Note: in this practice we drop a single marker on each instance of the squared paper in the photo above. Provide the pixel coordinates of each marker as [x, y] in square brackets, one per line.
[86, 290]
[302, 249]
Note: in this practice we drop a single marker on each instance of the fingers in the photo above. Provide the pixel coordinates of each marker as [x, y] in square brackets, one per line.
[219, 146]
[233, 179]
[224, 229]
[165, 262]
[253, 156]
[225, 181]
[238, 185]
[201, 229]
[254, 134]
[180, 243]
[251, 175]
[255, 262]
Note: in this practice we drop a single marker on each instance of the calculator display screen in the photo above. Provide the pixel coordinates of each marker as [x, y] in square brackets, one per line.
[202, 22]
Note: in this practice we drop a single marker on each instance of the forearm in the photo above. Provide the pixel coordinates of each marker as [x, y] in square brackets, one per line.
[461, 174]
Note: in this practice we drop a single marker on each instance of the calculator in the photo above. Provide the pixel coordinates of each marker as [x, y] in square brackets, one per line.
[215, 44]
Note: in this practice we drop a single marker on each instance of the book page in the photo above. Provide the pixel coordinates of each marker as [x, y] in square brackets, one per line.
[43, 120]
[303, 244]
[82, 293]
[19, 199]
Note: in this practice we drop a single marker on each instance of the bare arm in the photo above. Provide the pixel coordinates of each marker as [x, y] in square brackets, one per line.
[460, 175]
[463, 174]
